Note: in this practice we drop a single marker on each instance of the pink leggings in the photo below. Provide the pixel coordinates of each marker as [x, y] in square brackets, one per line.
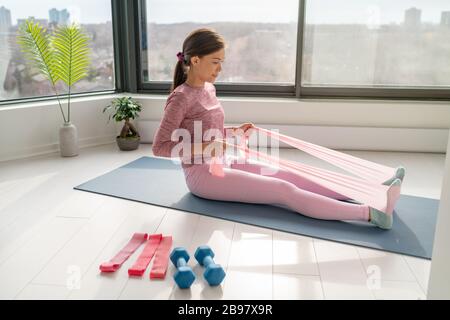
[248, 182]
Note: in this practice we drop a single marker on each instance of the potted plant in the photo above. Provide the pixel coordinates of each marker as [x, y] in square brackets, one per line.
[126, 108]
[62, 56]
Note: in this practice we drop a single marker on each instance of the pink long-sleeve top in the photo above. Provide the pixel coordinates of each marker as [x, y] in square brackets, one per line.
[185, 105]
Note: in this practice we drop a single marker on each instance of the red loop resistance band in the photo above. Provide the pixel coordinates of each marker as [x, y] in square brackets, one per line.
[116, 262]
[142, 262]
[157, 246]
[159, 267]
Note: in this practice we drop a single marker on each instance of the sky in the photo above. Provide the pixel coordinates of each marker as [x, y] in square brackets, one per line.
[84, 11]
[204, 11]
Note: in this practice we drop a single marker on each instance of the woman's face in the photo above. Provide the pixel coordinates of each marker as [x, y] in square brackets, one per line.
[208, 67]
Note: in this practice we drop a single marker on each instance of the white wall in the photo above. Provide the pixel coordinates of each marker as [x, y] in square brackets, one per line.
[32, 128]
[439, 284]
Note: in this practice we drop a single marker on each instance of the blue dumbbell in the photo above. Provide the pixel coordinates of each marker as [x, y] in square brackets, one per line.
[184, 277]
[214, 273]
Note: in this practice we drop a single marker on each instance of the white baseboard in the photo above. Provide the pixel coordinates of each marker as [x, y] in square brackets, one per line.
[54, 147]
[343, 138]
[339, 138]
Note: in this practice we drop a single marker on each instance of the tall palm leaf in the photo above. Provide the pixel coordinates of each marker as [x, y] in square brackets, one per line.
[37, 48]
[72, 54]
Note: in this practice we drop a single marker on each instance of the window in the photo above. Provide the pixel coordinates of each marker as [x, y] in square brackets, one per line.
[302, 48]
[17, 80]
[376, 44]
[261, 37]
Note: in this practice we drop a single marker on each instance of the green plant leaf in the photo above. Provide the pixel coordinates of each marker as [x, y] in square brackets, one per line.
[38, 50]
[72, 54]
[125, 108]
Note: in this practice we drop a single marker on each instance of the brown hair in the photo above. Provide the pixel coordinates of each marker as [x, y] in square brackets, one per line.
[199, 42]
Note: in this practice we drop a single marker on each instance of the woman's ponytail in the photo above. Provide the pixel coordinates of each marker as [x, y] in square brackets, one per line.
[179, 76]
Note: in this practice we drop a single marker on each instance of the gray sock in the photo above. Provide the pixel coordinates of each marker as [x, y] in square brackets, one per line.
[380, 219]
[399, 174]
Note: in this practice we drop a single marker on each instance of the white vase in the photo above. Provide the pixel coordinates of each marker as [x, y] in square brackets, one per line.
[68, 140]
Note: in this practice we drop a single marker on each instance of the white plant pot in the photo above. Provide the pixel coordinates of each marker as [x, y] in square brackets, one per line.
[68, 140]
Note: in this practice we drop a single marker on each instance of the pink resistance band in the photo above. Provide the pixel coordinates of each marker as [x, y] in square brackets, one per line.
[116, 262]
[160, 264]
[146, 255]
[366, 169]
[367, 189]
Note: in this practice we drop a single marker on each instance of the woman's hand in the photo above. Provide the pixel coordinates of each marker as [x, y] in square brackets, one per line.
[218, 147]
[245, 128]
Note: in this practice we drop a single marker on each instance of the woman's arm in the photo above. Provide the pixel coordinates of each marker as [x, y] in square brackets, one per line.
[212, 151]
[174, 113]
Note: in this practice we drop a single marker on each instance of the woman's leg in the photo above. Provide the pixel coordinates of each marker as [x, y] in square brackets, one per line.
[243, 186]
[300, 181]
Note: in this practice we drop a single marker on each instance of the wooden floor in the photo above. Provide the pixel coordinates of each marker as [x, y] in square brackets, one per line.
[53, 238]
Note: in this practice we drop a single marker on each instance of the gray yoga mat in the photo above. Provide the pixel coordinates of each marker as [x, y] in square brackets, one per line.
[160, 181]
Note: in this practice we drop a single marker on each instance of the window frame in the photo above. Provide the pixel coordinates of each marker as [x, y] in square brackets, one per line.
[128, 21]
[116, 21]
[297, 90]
[223, 89]
[361, 92]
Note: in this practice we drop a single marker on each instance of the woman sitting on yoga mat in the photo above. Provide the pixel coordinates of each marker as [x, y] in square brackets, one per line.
[193, 110]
